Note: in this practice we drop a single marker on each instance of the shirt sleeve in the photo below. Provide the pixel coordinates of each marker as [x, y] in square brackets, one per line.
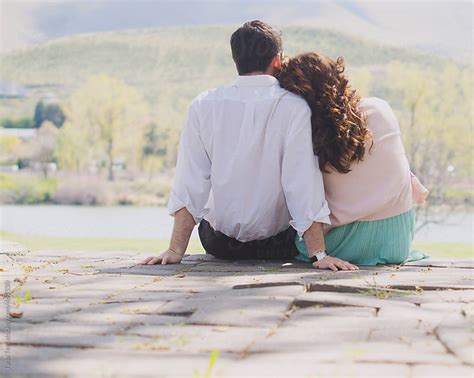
[192, 181]
[302, 180]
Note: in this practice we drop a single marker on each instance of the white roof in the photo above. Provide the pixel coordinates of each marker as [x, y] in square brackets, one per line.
[20, 133]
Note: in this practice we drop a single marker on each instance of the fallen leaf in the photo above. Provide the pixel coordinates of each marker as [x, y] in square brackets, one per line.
[418, 289]
[16, 314]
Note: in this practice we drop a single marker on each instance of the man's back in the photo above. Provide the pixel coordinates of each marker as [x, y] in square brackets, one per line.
[250, 146]
[246, 164]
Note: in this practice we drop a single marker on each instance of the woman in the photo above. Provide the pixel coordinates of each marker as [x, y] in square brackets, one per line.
[368, 183]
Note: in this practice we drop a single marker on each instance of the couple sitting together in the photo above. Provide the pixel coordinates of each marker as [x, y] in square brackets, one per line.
[289, 162]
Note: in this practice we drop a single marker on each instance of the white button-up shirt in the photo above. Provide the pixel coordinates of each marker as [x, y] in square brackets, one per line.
[246, 162]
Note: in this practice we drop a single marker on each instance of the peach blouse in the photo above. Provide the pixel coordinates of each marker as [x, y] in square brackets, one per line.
[381, 186]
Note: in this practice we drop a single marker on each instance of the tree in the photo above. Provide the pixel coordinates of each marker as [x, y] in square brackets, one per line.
[112, 115]
[48, 112]
[360, 79]
[155, 149]
[54, 114]
[42, 147]
[72, 151]
[155, 141]
[171, 113]
[436, 121]
[38, 117]
[9, 148]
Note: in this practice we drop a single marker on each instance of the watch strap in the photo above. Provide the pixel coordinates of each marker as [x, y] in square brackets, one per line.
[318, 256]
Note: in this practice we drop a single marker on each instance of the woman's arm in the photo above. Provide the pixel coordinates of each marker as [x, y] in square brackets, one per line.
[419, 192]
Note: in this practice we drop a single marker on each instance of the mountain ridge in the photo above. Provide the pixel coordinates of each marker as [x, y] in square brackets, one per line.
[402, 23]
[175, 62]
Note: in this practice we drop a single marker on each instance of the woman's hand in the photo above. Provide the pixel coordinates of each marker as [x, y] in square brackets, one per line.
[334, 264]
[167, 257]
[419, 192]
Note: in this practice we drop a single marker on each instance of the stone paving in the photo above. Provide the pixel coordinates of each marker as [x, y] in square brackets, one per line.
[98, 314]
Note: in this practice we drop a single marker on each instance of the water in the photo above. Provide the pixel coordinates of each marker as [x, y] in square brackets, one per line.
[87, 221]
[155, 223]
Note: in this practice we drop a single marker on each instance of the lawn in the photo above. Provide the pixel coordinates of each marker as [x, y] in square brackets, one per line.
[156, 245]
[36, 243]
[445, 249]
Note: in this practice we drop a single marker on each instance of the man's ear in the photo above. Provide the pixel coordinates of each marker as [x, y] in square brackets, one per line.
[274, 66]
[276, 62]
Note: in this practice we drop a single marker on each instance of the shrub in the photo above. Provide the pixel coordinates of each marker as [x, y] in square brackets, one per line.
[20, 123]
[26, 190]
[7, 182]
[82, 191]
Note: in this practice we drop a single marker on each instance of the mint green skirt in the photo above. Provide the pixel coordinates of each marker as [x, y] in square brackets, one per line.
[385, 241]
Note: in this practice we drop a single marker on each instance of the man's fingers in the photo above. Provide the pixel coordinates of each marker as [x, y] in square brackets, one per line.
[154, 260]
[164, 261]
[144, 262]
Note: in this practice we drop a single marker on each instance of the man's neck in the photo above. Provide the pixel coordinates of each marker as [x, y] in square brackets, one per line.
[255, 73]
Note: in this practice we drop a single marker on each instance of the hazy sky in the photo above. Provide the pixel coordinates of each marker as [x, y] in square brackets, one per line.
[438, 26]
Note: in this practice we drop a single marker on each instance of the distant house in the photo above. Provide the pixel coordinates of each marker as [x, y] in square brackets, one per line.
[12, 90]
[19, 133]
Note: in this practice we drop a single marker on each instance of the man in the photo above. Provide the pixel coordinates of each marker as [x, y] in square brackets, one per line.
[246, 172]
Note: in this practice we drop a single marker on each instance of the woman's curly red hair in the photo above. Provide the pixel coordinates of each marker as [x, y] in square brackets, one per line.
[339, 129]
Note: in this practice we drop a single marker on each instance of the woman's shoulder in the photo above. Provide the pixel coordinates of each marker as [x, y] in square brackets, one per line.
[375, 103]
[379, 113]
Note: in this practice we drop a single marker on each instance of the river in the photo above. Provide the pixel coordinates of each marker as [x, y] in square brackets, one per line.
[155, 223]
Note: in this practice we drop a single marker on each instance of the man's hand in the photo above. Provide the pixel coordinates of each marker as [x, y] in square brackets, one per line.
[334, 264]
[182, 229]
[166, 257]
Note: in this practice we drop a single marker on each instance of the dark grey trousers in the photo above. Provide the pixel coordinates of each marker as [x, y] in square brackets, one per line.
[278, 247]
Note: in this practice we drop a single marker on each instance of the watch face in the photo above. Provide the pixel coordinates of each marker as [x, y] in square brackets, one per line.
[320, 255]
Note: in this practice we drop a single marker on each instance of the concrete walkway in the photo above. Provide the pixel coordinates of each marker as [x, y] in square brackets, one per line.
[96, 314]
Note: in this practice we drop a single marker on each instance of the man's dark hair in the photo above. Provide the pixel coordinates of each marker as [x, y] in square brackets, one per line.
[254, 45]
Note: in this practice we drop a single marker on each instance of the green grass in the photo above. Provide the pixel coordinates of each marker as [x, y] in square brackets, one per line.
[446, 249]
[36, 243]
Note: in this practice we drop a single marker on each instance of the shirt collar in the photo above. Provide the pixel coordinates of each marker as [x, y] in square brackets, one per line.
[256, 81]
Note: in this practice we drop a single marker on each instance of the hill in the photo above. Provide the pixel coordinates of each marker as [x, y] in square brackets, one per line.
[414, 25]
[168, 65]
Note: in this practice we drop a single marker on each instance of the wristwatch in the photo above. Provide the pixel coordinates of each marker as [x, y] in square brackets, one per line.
[318, 256]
